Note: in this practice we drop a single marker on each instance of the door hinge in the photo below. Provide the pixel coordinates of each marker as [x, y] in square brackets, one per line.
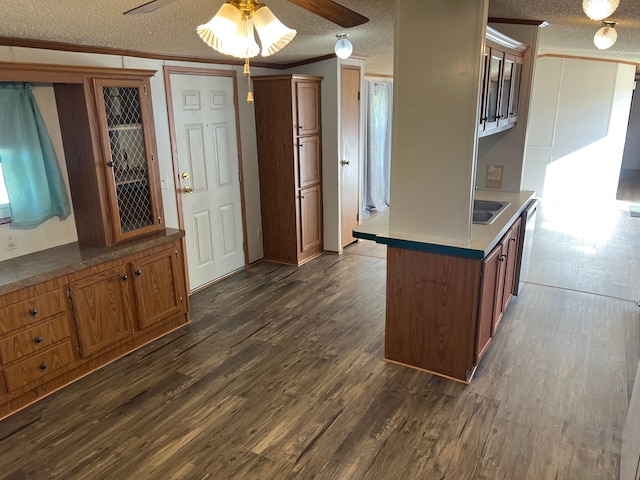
[69, 293]
[176, 253]
[153, 157]
[181, 301]
[358, 96]
[159, 219]
[357, 217]
[144, 87]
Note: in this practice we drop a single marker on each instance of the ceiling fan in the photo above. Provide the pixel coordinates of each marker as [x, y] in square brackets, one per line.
[332, 11]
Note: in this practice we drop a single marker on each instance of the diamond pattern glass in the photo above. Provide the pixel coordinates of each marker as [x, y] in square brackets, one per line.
[128, 157]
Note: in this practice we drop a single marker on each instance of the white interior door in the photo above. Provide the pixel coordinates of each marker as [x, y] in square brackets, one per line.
[207, 148]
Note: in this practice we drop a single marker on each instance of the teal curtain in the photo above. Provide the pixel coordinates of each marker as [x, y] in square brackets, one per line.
[31, 170]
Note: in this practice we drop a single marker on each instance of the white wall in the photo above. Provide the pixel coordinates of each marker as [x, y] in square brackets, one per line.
[54, 232]
[435, 111]
[577, 128]
[631, 156]
[508, 148]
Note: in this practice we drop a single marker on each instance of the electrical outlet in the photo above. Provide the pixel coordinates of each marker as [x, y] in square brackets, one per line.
[259, 233]
[10, 241]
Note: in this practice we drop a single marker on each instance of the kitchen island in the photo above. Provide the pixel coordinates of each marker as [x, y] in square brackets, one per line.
[445, 299]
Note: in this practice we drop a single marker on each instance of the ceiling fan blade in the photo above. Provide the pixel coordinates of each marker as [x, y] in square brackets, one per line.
[149, 6]
[332, 11]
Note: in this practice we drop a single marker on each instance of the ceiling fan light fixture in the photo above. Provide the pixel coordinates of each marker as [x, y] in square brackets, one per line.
[606, 36]
[343, 47]
[274, 35]
[599, 9]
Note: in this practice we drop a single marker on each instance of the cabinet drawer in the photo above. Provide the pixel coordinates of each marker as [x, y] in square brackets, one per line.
[35, 339]
[30, 311]
[38, 365]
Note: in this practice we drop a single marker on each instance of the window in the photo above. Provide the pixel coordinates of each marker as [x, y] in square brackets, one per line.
[5, 212]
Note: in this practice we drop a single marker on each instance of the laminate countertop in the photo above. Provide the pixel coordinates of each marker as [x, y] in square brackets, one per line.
[38, 267]
[483, 237]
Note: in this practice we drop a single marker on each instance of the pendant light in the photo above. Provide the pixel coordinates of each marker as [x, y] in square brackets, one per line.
[599, 9]
[606, 36]
[343, 47]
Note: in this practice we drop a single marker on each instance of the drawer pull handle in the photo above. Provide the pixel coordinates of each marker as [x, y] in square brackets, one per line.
[33, 312]
[43, 366]
[124, 277]
[138, 272]
[37, 340]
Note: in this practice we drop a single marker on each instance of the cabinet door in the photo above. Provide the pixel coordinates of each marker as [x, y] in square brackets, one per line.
[493, 89]
[307, 107]
[498, 308]
[505, 89]
[511, 247]
[102, 309]
[483, 89]
[308, 161]
[124, 115]
[486, 307]
[516, 77]
[156, 283]
[310, 218]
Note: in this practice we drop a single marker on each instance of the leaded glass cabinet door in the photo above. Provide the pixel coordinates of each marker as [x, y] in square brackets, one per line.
[129, 153]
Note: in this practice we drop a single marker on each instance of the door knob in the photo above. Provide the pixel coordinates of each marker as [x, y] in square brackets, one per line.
[185, 175]
[187, 190]
[344, 162]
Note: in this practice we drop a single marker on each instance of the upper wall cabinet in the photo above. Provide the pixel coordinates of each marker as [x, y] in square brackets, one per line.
[109, 142]
[502, 70]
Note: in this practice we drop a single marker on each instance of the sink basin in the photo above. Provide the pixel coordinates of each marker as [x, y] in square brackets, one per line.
[489, 205]
[486, 211]
[481, 216]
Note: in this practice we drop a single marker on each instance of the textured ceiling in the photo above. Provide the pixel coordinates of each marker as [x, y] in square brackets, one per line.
[171, 29]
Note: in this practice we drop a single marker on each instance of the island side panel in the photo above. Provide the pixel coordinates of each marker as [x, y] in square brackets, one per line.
[432, 304]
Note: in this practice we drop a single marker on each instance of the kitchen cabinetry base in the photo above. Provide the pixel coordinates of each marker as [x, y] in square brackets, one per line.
[467, 381]
[34, 395]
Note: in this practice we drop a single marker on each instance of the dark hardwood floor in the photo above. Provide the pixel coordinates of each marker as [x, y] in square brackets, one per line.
[280, 377]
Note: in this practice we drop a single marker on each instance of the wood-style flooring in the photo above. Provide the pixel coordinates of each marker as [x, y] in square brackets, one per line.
[280, 377]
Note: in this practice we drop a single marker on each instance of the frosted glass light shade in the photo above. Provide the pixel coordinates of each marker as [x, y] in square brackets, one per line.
[343, 48]
[605, 37]
[273, 34]
[599, 9]
[229, 34]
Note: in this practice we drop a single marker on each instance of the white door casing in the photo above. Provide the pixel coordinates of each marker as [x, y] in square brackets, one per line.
[206, 144]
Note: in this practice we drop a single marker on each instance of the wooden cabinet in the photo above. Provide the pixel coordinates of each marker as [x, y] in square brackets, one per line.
[35, 338]
[443, 309]
[102, 309]
[59, 330]
[157, 286]
[288, 131]
[109, 141]
[496, 286]
[500, 89]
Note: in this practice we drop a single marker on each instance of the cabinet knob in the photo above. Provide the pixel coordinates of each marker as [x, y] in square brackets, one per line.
[301, 145]
[138, 272]
[33, 312]
[187, 190]
[344, 162]
[300, 127]
[301, 196]
[37, 340]
[124, 277]
[502, 257]
[110, 164]
[43, 366]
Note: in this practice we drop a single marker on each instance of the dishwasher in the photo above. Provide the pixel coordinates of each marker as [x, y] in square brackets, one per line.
[522, 270]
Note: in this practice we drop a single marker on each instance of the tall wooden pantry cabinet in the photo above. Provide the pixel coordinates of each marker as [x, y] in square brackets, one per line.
[288, 128]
